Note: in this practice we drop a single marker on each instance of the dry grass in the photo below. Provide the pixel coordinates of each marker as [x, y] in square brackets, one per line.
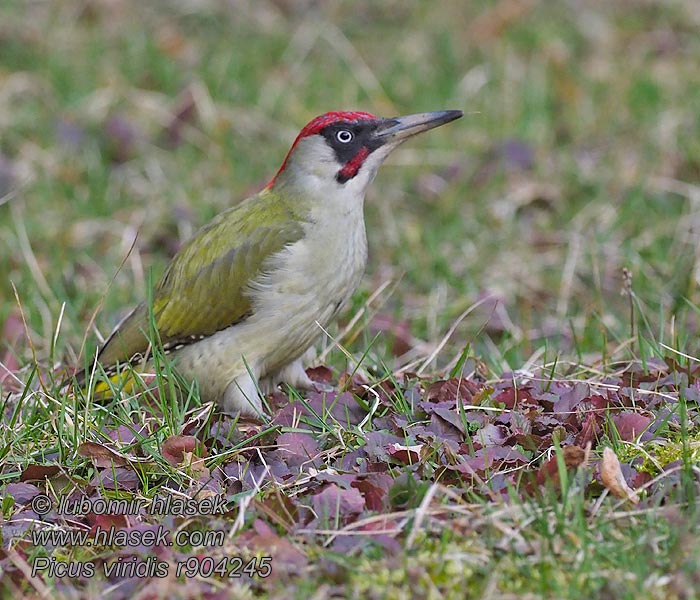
[125, 125]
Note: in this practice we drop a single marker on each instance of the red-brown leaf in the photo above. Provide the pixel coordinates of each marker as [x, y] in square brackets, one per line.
[629, 425]
[334, 501]
[176, 446]
[39, 472]
[375, 489]
[102, 456]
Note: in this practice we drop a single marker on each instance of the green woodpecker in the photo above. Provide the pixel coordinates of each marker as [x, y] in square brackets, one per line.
[245, 297]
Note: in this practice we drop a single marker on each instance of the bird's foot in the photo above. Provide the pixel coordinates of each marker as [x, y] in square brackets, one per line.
[294, 375]
[242, 397]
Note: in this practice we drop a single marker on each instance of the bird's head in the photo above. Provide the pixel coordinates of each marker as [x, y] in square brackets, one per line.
[343, 150]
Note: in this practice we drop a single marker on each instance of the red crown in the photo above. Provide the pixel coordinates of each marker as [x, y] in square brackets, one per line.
[318, 123]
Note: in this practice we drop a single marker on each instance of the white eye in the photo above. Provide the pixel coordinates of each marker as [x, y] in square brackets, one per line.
[344, 136]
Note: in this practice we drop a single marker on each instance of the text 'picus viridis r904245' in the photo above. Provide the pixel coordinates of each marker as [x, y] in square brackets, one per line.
[247, 295]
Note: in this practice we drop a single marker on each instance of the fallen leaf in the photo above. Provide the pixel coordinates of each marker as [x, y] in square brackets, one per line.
[611, 475]
[629, 425]
[491, 435]
[39, 472]
[127, 435]
[196, 466]
[450, 390]
[280, 508]
[333, 501]
[176, 446]
[408, 455]
[107, 521]
[102, 457]
[296, 448]
[375, 489]
[286, 557]
[590, 431]
[116, 479]
[21, 492]
[574, 456]
[320, 374]
[570, 399]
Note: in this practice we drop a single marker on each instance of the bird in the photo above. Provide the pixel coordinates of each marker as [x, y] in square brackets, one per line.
[248, 294]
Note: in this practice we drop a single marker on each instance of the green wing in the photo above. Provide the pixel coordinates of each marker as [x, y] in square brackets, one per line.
[204, 288]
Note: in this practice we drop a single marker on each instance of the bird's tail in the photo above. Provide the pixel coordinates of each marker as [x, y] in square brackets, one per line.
[103, 385]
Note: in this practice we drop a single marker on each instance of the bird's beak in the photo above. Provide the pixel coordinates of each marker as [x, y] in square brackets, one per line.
[398, 129]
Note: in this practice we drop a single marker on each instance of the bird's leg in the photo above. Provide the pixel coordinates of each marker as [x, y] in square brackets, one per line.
[242, 396]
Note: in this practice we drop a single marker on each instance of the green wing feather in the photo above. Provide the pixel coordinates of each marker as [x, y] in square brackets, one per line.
[204, 288]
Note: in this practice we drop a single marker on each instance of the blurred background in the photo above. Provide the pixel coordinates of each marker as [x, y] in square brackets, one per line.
[126, 125]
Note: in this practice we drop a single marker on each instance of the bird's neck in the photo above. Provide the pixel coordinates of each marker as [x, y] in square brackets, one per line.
[321, 199]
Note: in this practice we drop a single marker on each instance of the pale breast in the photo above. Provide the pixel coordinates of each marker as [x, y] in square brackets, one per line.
[305, 285]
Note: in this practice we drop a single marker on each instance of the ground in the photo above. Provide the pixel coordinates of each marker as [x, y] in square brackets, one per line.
[531, 300]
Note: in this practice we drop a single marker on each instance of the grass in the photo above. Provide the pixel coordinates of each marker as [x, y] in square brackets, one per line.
[577, 158]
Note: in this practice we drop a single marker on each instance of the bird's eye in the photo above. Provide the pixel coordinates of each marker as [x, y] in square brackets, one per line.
[344, 136]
